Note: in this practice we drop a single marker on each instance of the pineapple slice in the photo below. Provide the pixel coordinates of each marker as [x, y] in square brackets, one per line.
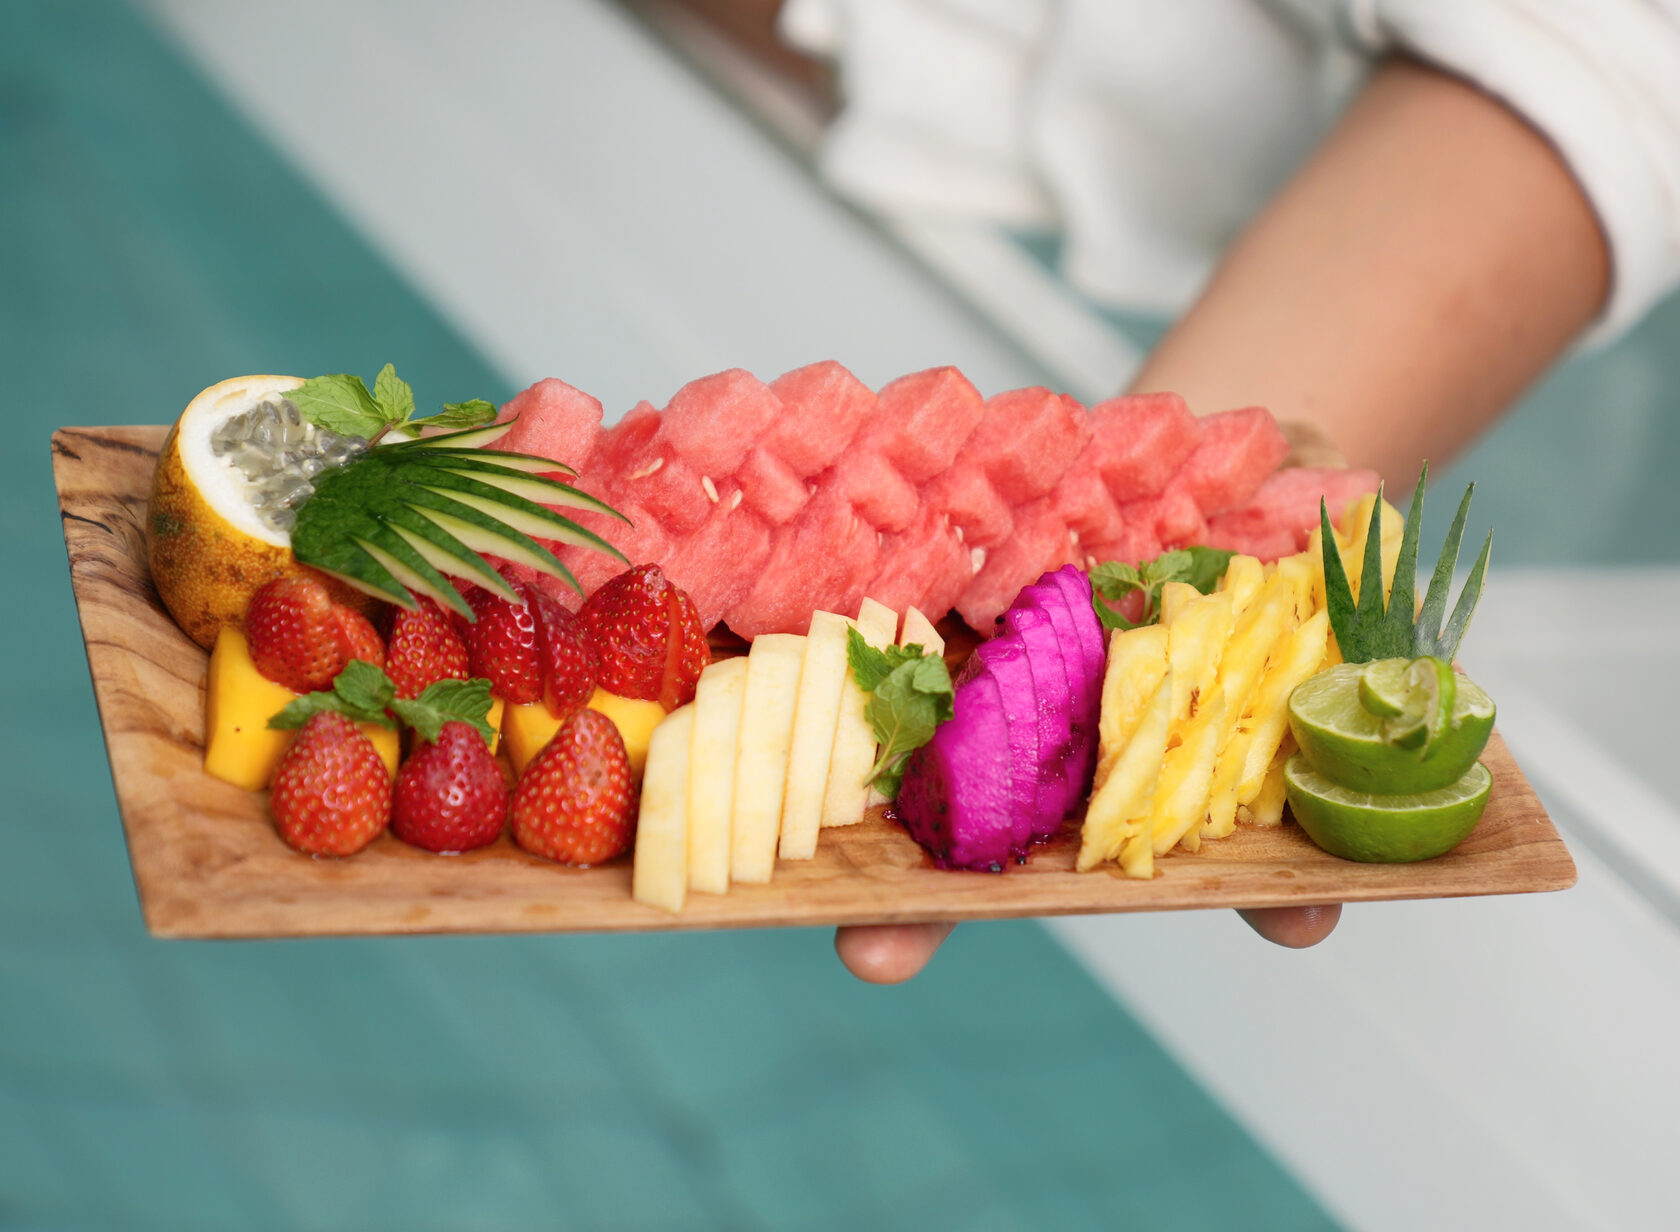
[761, 760]
[816, 715]
[659, 877]
[711, 774]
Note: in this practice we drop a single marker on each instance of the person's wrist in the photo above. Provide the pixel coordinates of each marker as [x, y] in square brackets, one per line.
[1310, 445]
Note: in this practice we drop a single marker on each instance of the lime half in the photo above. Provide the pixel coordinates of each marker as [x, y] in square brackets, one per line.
[1443, 724]
[1357, 825]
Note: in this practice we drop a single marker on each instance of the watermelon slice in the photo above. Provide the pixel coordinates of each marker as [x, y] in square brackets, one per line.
[926, 566]
[770, 488]
[1237, 451]
[1135, 544]
[958, 787]
[555, 421]
[713, 422]
[1141, 441]
[922, 421]
[1025, 440]
[823, 407]
[877, 491]
[820, 560]
[1041, 542]
[965, 496]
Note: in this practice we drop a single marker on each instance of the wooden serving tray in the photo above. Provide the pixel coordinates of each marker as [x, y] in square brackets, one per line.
[207, 862]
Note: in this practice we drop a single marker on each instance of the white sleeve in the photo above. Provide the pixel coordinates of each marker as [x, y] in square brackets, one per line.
[1601, 80]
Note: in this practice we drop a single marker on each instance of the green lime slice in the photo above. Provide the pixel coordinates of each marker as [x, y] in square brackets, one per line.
[1444, 725]
[1382, 687]
[1382, 829]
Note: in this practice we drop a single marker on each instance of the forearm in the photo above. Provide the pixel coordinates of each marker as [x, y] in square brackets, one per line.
[1428, 263]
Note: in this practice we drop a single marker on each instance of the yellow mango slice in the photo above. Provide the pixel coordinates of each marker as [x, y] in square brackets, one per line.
[527, 728]
[239, 746]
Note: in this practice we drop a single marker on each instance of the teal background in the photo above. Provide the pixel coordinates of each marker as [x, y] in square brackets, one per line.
[149, 245]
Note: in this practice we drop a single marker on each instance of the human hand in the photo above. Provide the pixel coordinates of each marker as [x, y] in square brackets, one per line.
[893, 953]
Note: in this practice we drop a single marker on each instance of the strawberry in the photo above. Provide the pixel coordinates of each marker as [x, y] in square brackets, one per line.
[567, 656]
[331, 793]
[502, 646]
[575, 803]
[652, 644]
[423, 649]
[300, 638]
[450, 793]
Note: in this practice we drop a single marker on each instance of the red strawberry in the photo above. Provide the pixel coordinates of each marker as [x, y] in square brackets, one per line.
[652, 644]
[450, 795]
[331, 793]
[575, 802]
[566, 654]
[300, 638]
[423, 650]
[502, 647]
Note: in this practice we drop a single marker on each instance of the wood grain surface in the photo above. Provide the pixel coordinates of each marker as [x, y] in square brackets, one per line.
[207, 862]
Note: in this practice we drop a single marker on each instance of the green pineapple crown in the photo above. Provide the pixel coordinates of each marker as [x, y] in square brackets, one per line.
[1368, 630]
[401, 516]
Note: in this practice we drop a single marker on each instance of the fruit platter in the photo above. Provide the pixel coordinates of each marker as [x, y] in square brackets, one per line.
[785, 653]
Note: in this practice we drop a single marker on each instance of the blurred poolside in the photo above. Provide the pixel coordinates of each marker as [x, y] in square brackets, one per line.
[194, 190]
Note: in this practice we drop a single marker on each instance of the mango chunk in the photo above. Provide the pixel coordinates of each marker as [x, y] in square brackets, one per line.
[239, 746]
[527, 728]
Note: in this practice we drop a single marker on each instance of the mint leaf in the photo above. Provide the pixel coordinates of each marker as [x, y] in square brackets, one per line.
[394, 395]
[1171, 566]
[445, 701]
[473, 413]
[339, 403]
[908, 705]
[1206, 568]
[361, 692]
[871, 666]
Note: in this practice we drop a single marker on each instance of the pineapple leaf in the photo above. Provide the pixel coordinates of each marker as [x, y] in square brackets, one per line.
[1368, 630]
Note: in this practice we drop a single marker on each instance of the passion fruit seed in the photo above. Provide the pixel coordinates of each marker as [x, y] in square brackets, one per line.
[280, 454]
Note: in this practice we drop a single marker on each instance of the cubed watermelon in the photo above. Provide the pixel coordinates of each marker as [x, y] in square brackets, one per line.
[722, 560]
[629, 438]
[968, 499]
[1025, 440]
[1174, 517]
[770, 488]
[1135, 543]
[877, 491]
[555, 421]
[824, 405]
[664, 483]
[1141, 440]
[715, 421]
[1041, 542]
[1083, 500]
[925, 566]
[1284, 510]
[923, 420]
[822, 559]
[1238, 449]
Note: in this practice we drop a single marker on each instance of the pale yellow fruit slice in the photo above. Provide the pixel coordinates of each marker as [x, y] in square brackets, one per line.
[711, 773]
[659, 877]
[761, 760]
[816, 715]
[847, 793]
[1119, 811]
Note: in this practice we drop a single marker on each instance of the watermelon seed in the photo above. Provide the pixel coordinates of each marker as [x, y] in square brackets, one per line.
[649, 469]
[735, 499]
[978, 557]
[710, 488]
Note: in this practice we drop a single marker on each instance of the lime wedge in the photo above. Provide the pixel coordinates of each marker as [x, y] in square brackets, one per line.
[1444, 724]
[1380, 829]
[1382, 687]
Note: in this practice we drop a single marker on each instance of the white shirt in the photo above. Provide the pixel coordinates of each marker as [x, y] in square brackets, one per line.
[1149, 131]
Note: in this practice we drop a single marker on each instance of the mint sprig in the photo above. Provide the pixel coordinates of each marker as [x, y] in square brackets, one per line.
[1199, 566]
[910, 696]
[363, 693]
[342, 403]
